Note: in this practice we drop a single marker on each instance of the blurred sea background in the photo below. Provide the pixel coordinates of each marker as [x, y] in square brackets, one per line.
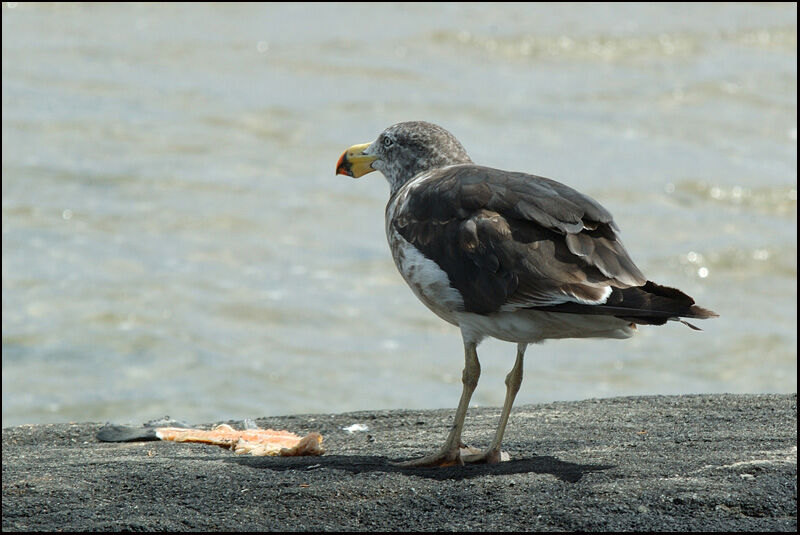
[174, 240]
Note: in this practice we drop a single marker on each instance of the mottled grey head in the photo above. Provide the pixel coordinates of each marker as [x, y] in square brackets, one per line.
[402, 151]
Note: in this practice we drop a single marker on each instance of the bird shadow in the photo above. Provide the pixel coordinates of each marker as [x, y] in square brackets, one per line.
[356, 464]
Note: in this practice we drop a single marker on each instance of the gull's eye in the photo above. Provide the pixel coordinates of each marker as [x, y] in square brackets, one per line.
[387, 142]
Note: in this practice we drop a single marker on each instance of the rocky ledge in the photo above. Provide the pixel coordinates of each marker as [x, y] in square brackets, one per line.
[663, 463]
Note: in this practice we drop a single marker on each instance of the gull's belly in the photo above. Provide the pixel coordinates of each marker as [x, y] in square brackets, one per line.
[532, 326]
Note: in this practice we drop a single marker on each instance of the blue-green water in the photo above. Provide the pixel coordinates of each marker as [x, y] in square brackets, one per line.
[175, 240]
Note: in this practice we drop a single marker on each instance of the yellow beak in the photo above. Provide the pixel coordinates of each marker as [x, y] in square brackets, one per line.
[354, 162]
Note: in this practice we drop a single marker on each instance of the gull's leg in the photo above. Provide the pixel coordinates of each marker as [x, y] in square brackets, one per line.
[450, 452]
[513, 381]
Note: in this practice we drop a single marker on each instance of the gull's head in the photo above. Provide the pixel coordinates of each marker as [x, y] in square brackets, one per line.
[402, 151]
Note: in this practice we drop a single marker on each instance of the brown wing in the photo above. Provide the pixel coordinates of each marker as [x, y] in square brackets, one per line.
[511, 240]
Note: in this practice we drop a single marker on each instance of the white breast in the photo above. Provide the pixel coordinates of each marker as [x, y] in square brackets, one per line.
[427, 280]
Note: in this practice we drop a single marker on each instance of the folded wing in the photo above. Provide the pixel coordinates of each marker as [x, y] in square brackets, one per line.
[511, 240]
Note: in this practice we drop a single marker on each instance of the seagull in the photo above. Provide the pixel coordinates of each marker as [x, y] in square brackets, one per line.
[510, 255]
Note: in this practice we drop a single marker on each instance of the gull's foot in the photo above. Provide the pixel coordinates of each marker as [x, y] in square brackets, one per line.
[441, 459]
[475, 456]
[461, 456]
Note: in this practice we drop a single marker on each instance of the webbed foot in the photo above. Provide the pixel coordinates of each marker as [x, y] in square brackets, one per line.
[458, 457]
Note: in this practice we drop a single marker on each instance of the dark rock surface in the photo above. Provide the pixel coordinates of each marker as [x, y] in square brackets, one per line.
[678, 463]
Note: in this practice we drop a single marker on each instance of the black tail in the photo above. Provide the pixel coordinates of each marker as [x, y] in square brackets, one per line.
[650, 304]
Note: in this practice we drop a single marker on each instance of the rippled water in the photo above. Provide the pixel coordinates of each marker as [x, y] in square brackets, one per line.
[175, 241]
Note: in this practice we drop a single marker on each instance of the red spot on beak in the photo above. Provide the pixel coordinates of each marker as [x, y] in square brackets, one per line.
[343, 165]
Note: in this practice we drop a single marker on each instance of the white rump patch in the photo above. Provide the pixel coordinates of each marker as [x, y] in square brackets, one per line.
[603, 298]
[551, 299]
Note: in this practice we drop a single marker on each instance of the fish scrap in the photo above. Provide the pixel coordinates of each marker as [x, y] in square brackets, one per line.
[251, 441]
[258, 442]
